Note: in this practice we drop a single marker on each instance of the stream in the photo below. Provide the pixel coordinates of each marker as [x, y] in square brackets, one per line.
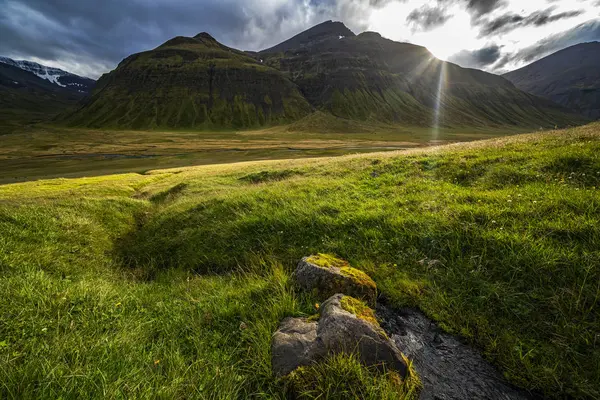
[449, 369]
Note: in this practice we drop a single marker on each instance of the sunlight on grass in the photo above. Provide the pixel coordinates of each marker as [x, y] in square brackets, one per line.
[170, 284]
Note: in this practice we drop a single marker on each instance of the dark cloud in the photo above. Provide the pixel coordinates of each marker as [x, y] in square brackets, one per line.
[481, 58]
[90, 37]
[586, 32]
[508, 22]
[482, 7]
[427, 18]
[477, 8]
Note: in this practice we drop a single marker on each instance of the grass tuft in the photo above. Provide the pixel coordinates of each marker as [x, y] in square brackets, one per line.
[343, 377]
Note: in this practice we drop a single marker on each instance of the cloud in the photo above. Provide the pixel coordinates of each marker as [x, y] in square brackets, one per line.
[427, 18]
[481, 58]
[482, 7]
[477, 8]
[509, 22]
[89, 37]
[586, 32]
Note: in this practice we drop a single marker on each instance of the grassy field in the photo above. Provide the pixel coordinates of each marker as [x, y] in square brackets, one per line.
[41, 151]
[169, 284]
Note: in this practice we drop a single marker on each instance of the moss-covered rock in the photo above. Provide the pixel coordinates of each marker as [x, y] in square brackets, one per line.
[326, 275]
[345, 326]
[360, 309]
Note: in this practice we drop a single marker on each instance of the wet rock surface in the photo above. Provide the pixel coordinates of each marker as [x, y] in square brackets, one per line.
[448, 368]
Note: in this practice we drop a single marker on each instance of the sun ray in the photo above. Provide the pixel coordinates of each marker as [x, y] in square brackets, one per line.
[438, 101]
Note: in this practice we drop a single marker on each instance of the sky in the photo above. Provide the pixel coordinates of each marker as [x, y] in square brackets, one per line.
[90, 37]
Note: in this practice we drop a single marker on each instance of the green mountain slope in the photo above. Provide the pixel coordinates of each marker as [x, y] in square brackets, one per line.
[570, 77]
[191, 83]
[198, 83]
[367, 77]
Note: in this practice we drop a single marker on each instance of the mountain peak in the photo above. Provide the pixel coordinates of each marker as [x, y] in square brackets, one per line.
[54, 75]
[205, 36]
[323, 31]
[201, 39]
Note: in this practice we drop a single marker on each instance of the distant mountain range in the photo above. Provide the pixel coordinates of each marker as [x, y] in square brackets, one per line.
[326, 77]
[30, 92]
[570, 77]
[58, 77]
[198, 83]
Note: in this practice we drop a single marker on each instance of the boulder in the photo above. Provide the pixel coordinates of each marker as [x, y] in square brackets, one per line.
[346, 325]
[326, 275]
[294, 345]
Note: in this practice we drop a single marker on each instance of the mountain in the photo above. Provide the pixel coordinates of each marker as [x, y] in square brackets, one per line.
[318, 33]
[58, 77]
[27, 98]
[198, 83]
[570, 77]
[368, 77]
[194, 83]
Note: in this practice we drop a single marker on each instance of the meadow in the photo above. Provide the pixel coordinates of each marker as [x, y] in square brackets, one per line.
[169, 283]
[46, 151]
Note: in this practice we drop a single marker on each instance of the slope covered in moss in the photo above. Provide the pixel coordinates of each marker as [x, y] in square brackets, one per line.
[191, 83]
[370, 78]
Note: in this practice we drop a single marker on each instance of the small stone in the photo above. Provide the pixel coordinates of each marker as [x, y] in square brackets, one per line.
[326, 275]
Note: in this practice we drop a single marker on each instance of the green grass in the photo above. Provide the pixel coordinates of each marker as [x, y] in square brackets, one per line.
[170, 284]
[42, 152]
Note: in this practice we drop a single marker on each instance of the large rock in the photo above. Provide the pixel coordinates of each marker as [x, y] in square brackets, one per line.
[294, 345]
[346, 325]
[326, 275]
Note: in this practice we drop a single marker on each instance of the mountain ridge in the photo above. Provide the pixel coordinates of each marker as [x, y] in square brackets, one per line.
[199, 83]
[570, 77]
[26, 98]
[56, 76]
[193, 83]
[368, 77]
[325, 30]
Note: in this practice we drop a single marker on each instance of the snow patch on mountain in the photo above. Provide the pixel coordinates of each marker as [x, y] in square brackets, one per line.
[56, 76]
[44, 72]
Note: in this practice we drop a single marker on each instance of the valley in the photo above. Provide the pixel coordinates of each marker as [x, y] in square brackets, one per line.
[48, 151]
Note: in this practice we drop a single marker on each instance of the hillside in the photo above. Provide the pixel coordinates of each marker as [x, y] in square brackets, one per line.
[171, 283]
[27, 98]
[368, 77]
[191, 83]
[199, 84]
[63, 79]
[570, 77]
